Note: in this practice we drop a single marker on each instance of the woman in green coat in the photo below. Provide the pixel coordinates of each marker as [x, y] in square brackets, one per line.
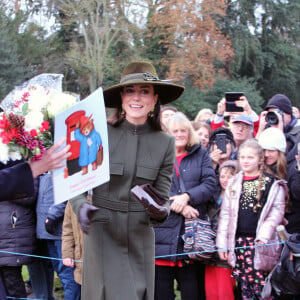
[119, 244]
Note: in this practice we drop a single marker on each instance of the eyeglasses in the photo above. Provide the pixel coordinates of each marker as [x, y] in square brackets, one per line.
[241, 125]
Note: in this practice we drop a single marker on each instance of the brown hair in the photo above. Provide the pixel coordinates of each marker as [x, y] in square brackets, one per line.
[197, 125]
[281, 167]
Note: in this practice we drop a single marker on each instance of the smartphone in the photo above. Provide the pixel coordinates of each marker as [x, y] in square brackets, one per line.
[231, 97]
[221, 141]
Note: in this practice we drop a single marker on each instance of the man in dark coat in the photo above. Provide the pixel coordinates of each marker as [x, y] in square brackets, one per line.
[17, 221]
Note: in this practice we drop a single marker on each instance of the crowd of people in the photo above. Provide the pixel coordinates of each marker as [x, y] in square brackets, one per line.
[241, 168]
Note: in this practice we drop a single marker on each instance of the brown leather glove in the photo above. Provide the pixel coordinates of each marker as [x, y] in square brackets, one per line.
[153, 209]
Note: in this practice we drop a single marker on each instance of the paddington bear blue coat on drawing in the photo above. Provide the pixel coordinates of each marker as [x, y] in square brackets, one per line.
[89, 146]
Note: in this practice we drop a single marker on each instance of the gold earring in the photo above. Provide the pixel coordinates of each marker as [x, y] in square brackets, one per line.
[123, 113]
[151, 114]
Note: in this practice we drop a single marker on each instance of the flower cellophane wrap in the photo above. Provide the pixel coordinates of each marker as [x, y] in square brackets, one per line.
[24, 123]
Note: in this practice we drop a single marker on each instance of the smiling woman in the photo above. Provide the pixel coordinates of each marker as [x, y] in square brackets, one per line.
[193, 184]
[137, 102]
[185, 136]
[119, 240]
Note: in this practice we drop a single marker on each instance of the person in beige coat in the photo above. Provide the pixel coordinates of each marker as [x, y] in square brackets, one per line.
[72, 243]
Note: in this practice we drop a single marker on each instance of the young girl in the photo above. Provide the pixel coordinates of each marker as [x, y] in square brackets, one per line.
[219, 283]
[203, 130]
[253, 206]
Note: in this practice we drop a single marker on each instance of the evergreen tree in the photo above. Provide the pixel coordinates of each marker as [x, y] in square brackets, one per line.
[265, 37]
[11, 69]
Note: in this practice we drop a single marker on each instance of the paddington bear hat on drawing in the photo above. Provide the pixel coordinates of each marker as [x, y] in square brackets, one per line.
[142, 73]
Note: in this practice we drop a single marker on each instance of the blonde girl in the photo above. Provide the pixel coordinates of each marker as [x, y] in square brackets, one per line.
[253, 206]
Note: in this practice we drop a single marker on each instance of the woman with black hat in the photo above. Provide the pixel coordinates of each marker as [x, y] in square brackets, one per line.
[119, 244]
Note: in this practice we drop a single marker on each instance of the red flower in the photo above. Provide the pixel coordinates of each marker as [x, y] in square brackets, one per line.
[4, 124]
[33, 132]
[5, 137]
[10, 134]
[45, 125]
[14, 133]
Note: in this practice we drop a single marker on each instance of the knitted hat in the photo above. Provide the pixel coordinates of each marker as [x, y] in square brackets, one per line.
[281, 102]
[142, 73]
[168, 107]
[213, 137]
[242, 119]
[230, 164]
[272, 138]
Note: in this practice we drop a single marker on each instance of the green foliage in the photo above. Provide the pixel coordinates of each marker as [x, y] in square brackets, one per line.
[22, 50]
[266, 44]
[191, 102]
[11, 70]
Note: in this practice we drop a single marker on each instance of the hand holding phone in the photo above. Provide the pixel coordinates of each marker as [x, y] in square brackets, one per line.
[221, 141]
[231, 98]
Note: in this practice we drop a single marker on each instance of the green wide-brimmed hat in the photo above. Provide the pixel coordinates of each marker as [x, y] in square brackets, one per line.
[142, 73]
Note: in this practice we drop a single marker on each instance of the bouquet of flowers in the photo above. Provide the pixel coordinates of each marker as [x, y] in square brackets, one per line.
[24, 124]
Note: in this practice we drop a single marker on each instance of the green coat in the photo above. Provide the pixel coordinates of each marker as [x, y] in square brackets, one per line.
[119, 249]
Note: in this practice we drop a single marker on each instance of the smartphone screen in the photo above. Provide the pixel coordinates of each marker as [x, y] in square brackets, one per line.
[231, 97]
[221, 141]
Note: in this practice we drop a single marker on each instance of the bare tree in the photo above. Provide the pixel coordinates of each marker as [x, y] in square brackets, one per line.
[100, 26]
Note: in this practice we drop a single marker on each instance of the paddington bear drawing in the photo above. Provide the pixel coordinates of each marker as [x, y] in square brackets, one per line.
[90, 143]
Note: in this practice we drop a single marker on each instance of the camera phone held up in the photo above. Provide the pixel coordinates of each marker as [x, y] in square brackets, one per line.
[272, 118]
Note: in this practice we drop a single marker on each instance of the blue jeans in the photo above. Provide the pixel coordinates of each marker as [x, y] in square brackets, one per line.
[41, 273]
[72, 290]
[41, 277]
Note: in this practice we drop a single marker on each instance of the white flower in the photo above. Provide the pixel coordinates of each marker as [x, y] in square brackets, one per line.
[33, 120]
[38, 99]
[4, 158]
[59, 102]
[15, 155]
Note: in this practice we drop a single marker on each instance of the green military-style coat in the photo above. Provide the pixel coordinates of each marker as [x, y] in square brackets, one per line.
[119, 249]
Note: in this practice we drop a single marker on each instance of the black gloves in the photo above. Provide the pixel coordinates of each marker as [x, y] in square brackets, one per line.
[86, 212]
[50, 225]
